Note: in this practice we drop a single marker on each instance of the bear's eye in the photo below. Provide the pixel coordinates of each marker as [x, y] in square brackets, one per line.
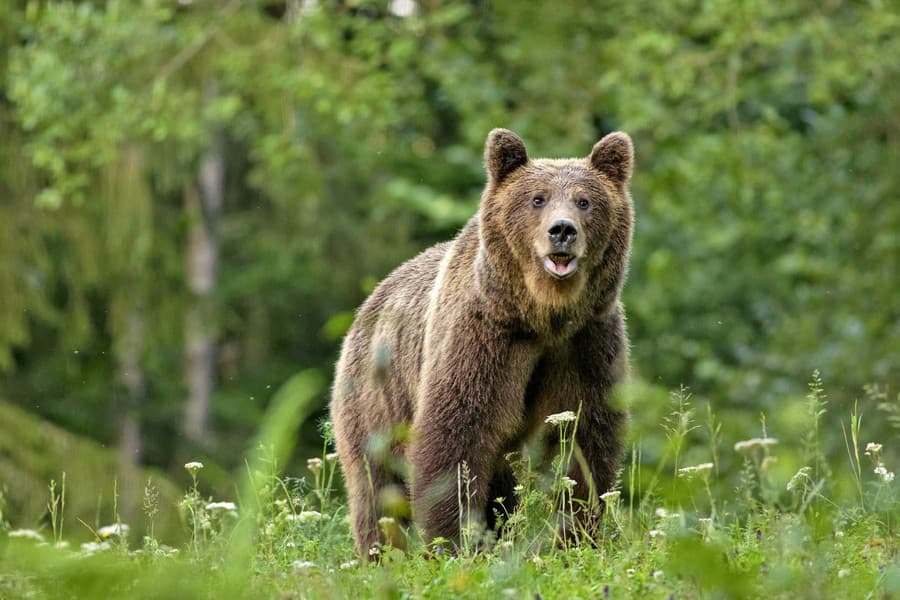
[582, 203]
[538, 201]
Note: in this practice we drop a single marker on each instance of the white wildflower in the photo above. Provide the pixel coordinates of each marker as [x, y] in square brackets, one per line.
[331, 457]
[884, 474]
[89, 548]
[114, 530]
[872, 449]
[385, 521]
[705, 521]
[26, 534]
[228, 506]
[689, 472]
[843, 573]
[518, 488]
[314, 465]
[303, 565]
[657, 533]
[752, 443]
[193, 466]
[611, 497]
[306, 516]
[567, 483]
[350, 564]
[168, 550]
[798, 477]
[403, 8]
[629, 572]
[563, 417]
[838, 534]
[658, 574]
[662, 513]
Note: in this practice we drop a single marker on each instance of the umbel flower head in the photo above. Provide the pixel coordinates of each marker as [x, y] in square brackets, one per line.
[114, 530]
[688, 472]
[306, 516]
[565, 416]
[567, 483]
[884, 474]
[799, 477]
[314, 465]
[752, 443]
[28, 534]
[611, 496]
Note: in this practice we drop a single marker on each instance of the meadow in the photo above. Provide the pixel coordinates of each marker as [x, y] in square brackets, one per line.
[675, 529]
[196, 195]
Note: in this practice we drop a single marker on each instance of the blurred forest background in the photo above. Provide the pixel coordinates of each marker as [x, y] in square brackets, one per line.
[195, 195]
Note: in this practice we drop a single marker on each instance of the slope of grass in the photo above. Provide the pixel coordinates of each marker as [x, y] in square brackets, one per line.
[34, 452]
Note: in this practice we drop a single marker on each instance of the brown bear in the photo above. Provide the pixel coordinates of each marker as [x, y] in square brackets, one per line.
[475, 341]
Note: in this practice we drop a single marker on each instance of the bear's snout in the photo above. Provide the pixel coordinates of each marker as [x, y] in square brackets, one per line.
[562, 234]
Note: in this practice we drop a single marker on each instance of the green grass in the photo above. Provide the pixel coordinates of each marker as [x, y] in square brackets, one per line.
[678, 529]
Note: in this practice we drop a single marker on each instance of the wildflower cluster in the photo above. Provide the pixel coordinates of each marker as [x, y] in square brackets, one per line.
[688, 472]
[611, 497]
[801, 476]
[746, 446]
[567, 416]
[306, 516]
[873, 451]
[27, 534]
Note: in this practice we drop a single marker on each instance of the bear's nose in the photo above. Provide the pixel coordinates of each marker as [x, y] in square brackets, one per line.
[562, 232]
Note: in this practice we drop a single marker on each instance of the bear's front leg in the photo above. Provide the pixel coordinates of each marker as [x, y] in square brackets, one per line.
[471, 402]
[581, 377]
[601, 362]
[599, 439]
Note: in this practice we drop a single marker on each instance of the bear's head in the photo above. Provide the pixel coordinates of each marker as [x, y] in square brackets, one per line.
[565, 223]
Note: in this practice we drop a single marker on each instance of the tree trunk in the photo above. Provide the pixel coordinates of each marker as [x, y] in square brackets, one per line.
[128, 228]
[203, 205]
[131, 376]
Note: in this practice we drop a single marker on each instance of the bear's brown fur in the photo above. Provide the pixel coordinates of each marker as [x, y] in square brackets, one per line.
[475, 341]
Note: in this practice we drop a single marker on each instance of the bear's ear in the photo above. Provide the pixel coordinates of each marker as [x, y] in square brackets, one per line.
[504, 152]
[614, 156]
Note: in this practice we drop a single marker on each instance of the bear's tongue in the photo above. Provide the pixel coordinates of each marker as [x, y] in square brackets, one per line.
[560, 265]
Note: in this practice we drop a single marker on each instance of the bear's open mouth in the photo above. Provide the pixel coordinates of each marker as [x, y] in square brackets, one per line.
[560, 264]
